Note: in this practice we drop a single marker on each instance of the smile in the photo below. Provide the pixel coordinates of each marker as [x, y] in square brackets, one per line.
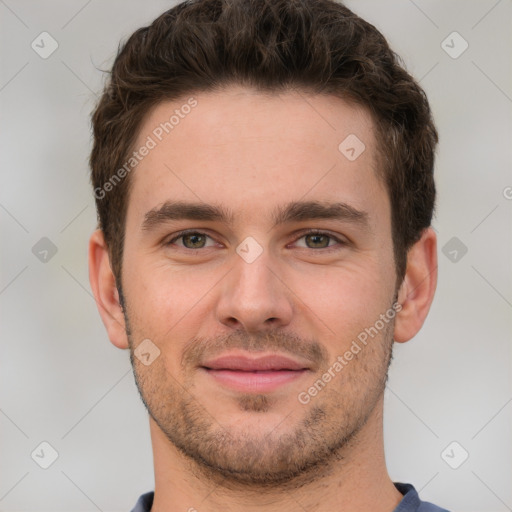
[257, 375]
[256, 381]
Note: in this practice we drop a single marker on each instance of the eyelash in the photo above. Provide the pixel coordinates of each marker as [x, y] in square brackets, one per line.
[341, 243]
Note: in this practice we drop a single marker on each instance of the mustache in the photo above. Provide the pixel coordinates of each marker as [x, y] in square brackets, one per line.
[199, 349]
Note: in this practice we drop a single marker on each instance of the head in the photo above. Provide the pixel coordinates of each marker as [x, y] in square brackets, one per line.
[272, 118]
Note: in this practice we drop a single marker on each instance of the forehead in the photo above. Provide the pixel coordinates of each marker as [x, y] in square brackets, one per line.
[250, 149]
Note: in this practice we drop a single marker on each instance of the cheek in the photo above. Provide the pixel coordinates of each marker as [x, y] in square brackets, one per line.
[344, 300]
[167, 305]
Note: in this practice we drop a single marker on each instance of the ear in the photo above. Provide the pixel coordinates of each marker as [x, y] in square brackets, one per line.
[105, 292]
[418, 287]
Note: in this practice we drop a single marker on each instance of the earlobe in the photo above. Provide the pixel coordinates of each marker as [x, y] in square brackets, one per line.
[418, 287]
[105, 292]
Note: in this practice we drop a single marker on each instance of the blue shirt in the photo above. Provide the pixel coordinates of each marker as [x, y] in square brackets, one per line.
[410, 502]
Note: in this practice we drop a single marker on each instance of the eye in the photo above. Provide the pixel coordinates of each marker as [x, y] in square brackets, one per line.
[315, 239]
[191, 239]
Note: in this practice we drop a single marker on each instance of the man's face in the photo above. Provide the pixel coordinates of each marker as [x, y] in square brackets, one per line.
[220, 299]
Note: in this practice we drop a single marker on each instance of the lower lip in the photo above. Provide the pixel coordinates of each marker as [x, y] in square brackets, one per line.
[256, 382]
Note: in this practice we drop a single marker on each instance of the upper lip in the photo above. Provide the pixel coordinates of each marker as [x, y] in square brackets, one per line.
[247, 363]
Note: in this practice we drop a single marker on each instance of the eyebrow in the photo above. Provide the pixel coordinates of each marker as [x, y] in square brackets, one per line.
[295, 211]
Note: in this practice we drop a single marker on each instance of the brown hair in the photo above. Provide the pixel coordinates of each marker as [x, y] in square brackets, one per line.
[317, 46]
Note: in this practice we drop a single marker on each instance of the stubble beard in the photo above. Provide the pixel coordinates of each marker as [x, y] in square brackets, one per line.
[327, 428]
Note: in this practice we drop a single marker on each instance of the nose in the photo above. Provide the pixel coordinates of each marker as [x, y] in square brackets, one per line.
[254, 297]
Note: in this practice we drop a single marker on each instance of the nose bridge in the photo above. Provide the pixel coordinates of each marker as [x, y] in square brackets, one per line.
[252, 270]
[253, 295]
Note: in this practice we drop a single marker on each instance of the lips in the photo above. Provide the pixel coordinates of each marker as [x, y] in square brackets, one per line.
[254, 374]
[273, 362]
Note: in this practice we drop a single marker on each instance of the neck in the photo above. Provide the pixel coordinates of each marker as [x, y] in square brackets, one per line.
[355, 480]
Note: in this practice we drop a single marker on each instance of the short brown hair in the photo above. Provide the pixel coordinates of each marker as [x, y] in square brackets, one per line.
[317, 46]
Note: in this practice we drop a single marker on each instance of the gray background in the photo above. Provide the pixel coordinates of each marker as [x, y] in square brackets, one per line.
[61, 381]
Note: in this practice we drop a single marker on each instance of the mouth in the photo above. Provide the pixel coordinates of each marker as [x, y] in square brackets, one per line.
[254, 374]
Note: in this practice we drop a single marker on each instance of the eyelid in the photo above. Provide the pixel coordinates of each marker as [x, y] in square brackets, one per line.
[314, 231]
[180, 234]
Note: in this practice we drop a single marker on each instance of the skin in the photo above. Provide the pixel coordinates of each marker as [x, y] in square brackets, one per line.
[219, 449]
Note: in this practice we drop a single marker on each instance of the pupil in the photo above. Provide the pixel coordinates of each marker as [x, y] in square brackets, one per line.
[316, 237]
[193, 238]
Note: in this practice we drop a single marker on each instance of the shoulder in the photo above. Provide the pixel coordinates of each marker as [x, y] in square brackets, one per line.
[411, 501]
[144, 503]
